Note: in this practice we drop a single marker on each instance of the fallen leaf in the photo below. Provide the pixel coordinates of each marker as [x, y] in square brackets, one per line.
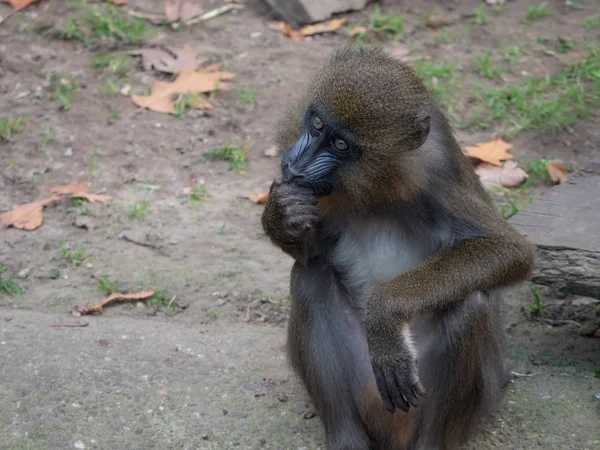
[259, 199]
[493, 152]
[119, 2]
[324, 27]
[400, 52]
[271, 152]
[27, 216]
[179, 11]
[20, 4]
[568, 143]
[170, 60]
[288, 31]
[79, 190]
[357, 30]
[509, 175]
[81, 311]
[557, 171]
[435, 21]
[161, 98]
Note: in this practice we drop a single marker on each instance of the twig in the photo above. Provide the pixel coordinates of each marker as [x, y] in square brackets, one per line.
[212, 14]
[155, 19]
[134, 241]
[68, 325]
[172, 300]
[517, 374]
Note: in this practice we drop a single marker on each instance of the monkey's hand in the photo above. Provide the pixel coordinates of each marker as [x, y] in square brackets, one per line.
[290, 218]
[394, 362]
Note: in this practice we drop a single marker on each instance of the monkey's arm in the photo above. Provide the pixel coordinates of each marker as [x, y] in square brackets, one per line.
[441, 282]
[449, 276]
[289, 219]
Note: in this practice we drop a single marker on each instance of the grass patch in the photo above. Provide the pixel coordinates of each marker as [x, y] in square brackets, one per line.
[138, 210]
[480, 15]
[564, 45]
[9, 127]
[537, 12]
[7, 284]
[232, 153]
[538, 170]
[63, 86]
[187, 102]
[109, 24]
[512, 55]
[75, 256]
[444, 36]
[589, 23]
[390, 26]
[107, 286]
[486, 66]
[48, 134]
[93, 162]
[161, 298]
[199, 194]
[81, 207]
[247, 94]
[116, 63]
[538, 301]
[551, 103]
[441, 79]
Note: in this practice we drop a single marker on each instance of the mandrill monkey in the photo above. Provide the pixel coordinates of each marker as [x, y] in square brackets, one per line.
[395, 326]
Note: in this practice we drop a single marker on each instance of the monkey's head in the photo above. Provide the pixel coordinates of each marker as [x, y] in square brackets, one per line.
[365, 114]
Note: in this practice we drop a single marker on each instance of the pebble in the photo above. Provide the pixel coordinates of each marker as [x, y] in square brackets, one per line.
[24, 273]
[79, 445]
[255, 35]
[69, 152]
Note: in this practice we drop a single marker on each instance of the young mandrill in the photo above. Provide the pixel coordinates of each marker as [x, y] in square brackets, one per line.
[395, 325]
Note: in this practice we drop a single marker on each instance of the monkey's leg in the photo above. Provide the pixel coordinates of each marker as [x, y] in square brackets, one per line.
[328, 348]
[461, 366]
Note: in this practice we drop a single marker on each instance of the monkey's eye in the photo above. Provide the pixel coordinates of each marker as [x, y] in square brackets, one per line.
[340, 144]
[317, 123]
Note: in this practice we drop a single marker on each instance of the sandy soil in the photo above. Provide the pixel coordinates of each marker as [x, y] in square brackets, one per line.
[209, 372]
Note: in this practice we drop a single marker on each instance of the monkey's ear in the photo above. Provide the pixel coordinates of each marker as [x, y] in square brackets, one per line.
[422, 126]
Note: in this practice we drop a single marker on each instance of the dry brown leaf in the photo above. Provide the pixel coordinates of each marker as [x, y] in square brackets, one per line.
[27, 216]
[20, 4]
[259, 199]
[435, 21]
[324, 27]
[557, 171]
[79, 190]
[493, 152]
[81, 311]
[288, 31]
[161, 98]
[119, 2]
[509, 175]
[357, 30]
[170, 60]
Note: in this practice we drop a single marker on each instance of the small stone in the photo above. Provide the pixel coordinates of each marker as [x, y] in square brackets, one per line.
[309, 414]
[80, 445]
[584, 301]
[255, 34]
[205, 437]
[89, 265]
[140, 305]
[8, 318]
[282, 397]
[69, 152]
[262, 442]
[221, 301]
[24, 273]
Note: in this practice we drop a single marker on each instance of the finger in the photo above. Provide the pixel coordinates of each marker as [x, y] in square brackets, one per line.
[419, 389]
[407, 387]
[395, 392]
[385, 398]
[276, 183]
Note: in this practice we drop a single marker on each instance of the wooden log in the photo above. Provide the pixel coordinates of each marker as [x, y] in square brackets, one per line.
[301, 12]
[564, 224]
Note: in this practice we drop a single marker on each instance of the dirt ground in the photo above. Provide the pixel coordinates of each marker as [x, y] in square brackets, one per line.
[204, 367]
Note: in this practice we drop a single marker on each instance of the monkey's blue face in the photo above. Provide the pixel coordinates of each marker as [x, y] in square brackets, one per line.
[322, 149]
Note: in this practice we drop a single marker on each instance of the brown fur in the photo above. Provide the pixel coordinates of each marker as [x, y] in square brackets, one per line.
[411, 170]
